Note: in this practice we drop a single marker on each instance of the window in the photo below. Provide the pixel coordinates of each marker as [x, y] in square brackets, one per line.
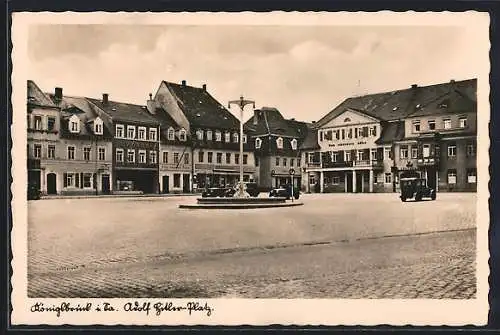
[119, 155]
[219, 158]
[349, 133]
[236, 158]
[74, 124]
[165, 157]
[258, 143]
[256, 161]
[279, 143]
[131, 132]
[334, 156]
[119, 131]
[209, 135]
[447, 124]
[387, 153]
[199, 135]
[426, 150]
[218, 136]
[87, 180]
[102, 154]
[388, 178]
[38, 122]
[414, 152]
[471, 149]
[360, 155]
[284, 161]
[462, 122]
[277, 161]
[227, 137]
[235, 137]
[98, 129]
[141, 133]
[142, 156]
[228, 158]
[373, 131]
[431, 124]
[373, 154]
[176, 158]
[51, 151]
[452, 176]
[347, 157]
[312, 179]
[152, 157]
[335, 180]
[131, 156]
[210, 157]
[471, 176]
[244, 138]
[245, 159]
[186, 158]
[86, 153]
[343, 134]
[71, 152]
[294, 144]
[177, 180]
[170, 134]
[298, 161]
[310, 157]
[37, 151]
[51, 124]
[416, 126]
[70, 180]
[452, 150]
[292, 162]
[182, 135]
[403, 152]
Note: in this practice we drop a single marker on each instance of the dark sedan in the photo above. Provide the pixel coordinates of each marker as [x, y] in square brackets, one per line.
[215, 192]
[285, 191]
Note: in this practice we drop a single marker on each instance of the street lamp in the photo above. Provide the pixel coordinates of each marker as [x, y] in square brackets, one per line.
[241, 103]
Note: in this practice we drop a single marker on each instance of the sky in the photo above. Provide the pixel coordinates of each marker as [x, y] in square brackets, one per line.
[304, 71]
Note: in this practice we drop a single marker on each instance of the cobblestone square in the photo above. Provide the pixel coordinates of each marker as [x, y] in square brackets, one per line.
[335, 246]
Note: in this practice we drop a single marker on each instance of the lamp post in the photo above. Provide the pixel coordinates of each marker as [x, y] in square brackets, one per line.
[241, 103]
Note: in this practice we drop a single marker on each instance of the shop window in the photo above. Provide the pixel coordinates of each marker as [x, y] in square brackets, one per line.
[336, 180]
[471, 176]
[452, 177]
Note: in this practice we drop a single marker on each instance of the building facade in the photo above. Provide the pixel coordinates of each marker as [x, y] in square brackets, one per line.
[276, 143]
[212, 132]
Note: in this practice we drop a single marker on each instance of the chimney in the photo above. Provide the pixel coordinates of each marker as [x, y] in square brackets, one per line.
[414, 86]
[255, 117]
[183, 83]
[204, 87]
[58, 93]
[105, 98]
[151, 104]
[452, 81]
[314, 122]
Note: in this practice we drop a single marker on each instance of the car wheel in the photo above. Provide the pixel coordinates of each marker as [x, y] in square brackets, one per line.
[433, 196]
[296, 197]
[403, 199]
[418, 197]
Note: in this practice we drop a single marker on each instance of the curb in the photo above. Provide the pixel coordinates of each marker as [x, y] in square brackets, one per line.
[240, 206]
[118, 196]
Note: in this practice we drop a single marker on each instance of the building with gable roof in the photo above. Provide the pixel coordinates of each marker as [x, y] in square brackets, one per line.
[276, 143]
[365, 143]
[212, 131]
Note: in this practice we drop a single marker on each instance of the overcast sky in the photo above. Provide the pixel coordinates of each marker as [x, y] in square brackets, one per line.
[303, 71]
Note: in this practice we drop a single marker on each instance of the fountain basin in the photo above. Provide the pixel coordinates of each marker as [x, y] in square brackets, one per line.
[241, 203]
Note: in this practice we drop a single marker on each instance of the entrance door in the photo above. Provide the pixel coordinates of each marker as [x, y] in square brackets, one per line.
[105, 184]
[359, 182]
[51, 183]
[431, 177]
[185, 184]
[165, 184]
[349, 182]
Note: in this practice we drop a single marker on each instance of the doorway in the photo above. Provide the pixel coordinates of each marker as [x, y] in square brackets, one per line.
[431, 177]
[105, 183]
[185, 183]
[51, 183]
[348, 178]
[165, 184]
[359, 182]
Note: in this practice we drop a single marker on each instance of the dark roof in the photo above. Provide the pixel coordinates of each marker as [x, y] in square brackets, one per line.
[399, 104]
[201, 109]
[36, 97]
[271, 121]
[126, 112]
[311, 140]
[392, 131]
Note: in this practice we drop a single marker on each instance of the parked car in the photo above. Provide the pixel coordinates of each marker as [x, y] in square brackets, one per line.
[214, 192]
[416, 188]
[285, 191]
[33, 192]
[251, 188]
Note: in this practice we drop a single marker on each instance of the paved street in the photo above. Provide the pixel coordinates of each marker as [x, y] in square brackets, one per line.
[335, 246]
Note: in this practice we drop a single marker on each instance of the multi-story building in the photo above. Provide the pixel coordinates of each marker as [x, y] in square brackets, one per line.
[213, 132]
[135, 145]
[176, 154]
[366, 142]
[276, 142]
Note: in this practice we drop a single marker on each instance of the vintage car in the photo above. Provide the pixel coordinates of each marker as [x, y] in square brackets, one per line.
[285, 191]
[416, 188]
[214, 192]
[33, 192]
[251, 188]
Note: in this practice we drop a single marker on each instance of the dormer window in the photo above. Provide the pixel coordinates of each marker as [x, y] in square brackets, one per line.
[294, 144]
[170, 134]
[347, 119]
[218, 136]
[462, 122]
[74, 124]
[199, 134]
[209, 135]
[279, 143]
[258, 143]
[182, 134]
[227, 137]
[235, 137]
[98, 127]
[416, 126]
